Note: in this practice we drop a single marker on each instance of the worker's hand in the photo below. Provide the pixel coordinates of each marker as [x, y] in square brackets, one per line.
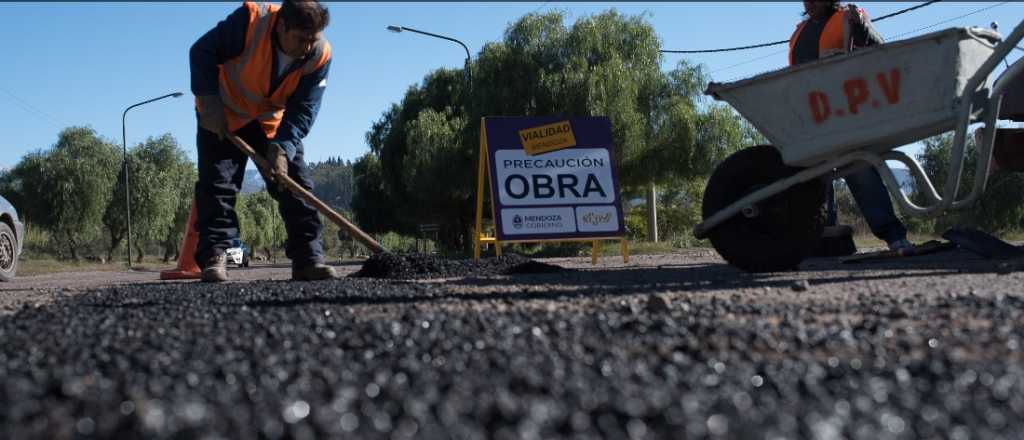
[277, 163]
[211, 115]
[853, 15]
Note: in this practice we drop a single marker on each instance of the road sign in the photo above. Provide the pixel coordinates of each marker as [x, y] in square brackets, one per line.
[551, 178]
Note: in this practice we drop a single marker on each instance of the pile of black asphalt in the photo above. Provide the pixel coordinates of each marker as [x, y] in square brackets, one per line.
[614, 355]
[408, 266]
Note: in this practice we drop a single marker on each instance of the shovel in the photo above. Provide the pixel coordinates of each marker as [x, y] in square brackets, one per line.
[303, 193]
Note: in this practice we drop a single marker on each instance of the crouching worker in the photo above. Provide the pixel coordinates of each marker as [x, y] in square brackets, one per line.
[831, 29]
[260, 75]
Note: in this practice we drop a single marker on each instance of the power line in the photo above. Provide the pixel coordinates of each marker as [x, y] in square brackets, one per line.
[31, 109]
[776, 43]
[727, 49]
[749, 61]
[903, 11]
[949, 20]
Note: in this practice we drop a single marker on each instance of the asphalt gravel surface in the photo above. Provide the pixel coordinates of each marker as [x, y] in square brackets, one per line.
[419, 266]
[679, 346]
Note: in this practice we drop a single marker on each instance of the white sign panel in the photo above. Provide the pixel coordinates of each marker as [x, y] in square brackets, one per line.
[601, 218]
[564, 177]
[527, 221]
[552, 178]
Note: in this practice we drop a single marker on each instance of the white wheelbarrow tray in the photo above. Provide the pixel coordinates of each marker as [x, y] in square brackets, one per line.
[842, 112]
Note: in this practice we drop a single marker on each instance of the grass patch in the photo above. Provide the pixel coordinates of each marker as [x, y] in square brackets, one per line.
[1013, 237]
[608, 248]
[44, 266]
[612, 248]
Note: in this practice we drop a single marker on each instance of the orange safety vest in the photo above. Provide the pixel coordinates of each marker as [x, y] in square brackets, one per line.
[835, 37]
[245, 80]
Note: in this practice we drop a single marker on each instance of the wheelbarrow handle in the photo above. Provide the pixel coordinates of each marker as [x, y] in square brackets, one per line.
[303, 193]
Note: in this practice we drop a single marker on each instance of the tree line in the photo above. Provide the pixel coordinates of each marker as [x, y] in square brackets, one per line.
[72, 199]
[75, 193]
[999, 209]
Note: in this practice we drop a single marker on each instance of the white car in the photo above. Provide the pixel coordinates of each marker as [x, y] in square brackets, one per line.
[238, 254]
[12, 232]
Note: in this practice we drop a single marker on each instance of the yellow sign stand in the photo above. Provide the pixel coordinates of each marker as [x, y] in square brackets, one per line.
[479, 238]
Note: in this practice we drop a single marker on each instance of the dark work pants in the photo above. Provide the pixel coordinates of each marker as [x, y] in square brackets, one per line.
[873, 200]
[221, 172]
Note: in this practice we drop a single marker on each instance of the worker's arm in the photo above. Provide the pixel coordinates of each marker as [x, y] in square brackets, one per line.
[862, 31]
[224, 42]
[301, 110]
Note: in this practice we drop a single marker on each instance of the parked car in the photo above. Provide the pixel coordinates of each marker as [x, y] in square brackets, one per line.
[11, 233]
[239, 253]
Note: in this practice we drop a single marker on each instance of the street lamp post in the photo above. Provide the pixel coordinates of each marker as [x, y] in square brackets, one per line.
[398, 29]
[127, 192]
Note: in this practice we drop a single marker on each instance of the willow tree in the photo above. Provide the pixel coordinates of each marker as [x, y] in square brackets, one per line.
[69, 187]
[259, 223]
[161, 181]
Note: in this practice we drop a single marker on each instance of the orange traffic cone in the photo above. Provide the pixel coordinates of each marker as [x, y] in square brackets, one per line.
[187, 268]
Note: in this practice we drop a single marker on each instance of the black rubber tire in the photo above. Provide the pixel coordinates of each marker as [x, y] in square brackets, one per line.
[788, 226]
[8, 253]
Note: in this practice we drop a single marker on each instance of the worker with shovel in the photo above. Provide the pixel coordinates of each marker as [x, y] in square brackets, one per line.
[260, 75]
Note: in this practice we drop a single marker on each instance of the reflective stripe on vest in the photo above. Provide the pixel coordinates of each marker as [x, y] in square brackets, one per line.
[245, 80]
[834, 40]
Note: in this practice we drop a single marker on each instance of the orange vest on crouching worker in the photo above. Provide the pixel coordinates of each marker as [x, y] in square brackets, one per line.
[835, 37]
[245, 80]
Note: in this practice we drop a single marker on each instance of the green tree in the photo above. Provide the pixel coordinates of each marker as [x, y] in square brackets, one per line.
[184, 176]
[428, 168]
[162, 180]
[372, 206]
[260, 224]
[20, 186]
[70, 186]
[998, 210]
[186, 197]
[160, 176]
[333, 182]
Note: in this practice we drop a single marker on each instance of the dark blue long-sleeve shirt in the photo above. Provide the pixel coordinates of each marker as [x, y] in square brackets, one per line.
[226, 41]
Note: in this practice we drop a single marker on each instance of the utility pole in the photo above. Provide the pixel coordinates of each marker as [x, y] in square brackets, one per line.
[652, 213]
[127, 192]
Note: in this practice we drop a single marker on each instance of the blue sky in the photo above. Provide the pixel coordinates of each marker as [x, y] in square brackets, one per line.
[83, 63]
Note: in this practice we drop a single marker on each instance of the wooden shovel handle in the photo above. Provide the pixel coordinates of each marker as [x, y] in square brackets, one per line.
[331, 214]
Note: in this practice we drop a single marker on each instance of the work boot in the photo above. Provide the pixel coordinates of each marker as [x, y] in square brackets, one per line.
[215, 269]
[315, 272]
[901, 246]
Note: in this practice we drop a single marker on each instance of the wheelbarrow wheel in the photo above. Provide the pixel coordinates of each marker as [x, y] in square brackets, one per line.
[777, 233]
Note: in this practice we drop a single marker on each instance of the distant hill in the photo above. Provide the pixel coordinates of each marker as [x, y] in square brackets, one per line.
[253, 182]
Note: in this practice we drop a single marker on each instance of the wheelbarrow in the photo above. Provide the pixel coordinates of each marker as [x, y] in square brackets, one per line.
[764, 205]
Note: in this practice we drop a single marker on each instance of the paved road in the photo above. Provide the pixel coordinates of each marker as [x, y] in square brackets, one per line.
[42, 289]
[665, 347]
